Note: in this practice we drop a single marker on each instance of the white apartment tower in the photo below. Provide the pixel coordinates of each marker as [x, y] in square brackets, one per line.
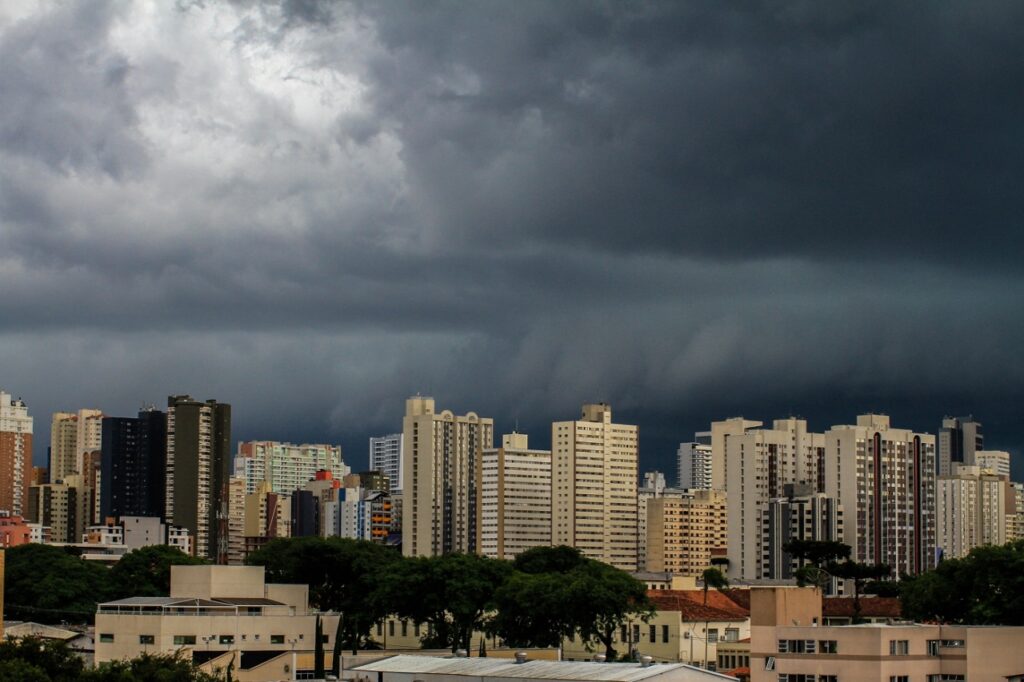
[386, 457]
[759, 463]
[15, 455]
[695, 464]
[594, 469]
[514, 498]
[441, 453]
[884, 480]
[972, 506]
[285, 466]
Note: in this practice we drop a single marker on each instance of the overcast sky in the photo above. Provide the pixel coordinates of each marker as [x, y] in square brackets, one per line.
[691, 210]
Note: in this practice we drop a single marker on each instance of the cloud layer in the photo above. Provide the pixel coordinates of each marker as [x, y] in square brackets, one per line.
[312, 210]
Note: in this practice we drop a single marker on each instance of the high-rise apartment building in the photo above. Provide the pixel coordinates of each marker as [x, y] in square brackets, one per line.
[594, 470]
[694, 460]
[720, 433]
[959, 439]
[72, 436]
[440, 456]
[884, 480]
[267, 516]
[800, 514]
[759, 463]
[198, 466]
[15, 455]
[236, 520]
[685, 531]
[386, 457]
[285, 466]
[133, 465]
[514, 498]
[996, 461]
[1015, 512]
[971, 509]
[63, 506]
[653, 485]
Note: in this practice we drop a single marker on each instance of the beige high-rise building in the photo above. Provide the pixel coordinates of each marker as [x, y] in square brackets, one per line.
[685, 530]
[884, 480]
[998, 461]
[287, 467]
[1015, 512]
[440, 455]
[15, 455]
[759, 464]
[73, 435]
[236, 520]
[64, 506]
[514, 498]
[653, 485]
[594, 467]
[720, 434]
[971, 510]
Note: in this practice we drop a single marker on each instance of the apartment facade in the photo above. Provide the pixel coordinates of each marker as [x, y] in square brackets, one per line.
[594, 470]
[386, 457]
[63, 506]
[685, 531]
[198, 467]
[133, 456]
[997, 461]
[760, 463]
[800, 514]
[440, 456]
[286, 466]
[971, 510]
[513, 498]
[72, 435]
[694, 461]
[884, 480]
[15, 455]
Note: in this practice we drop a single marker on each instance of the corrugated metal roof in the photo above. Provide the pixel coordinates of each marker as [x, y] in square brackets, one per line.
[142, 601]
[538, 670]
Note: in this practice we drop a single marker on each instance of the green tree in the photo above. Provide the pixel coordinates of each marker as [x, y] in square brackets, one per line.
[31, 658]
[815, 556]
[452, 593]
[154, 668]
[713, 578]
[860, 574]
[146, 572]
[984, 588]
[555, 592]
[343, 575]
[49, 585]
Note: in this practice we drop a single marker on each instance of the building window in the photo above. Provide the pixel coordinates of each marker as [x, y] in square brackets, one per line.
[732, 634]
[405, 628]
[899, 647]
[380, 629]
[712, 635]
[277, 639]
[899, 678]
[636, 634]
[664, 634]
[106, 638]
[182, 640]
[654, 633]
[622, 633]
[147, 639]
[391, 628]
[827, 646]
[226, 639]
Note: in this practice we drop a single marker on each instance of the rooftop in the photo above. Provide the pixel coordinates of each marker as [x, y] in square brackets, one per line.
[537, 670]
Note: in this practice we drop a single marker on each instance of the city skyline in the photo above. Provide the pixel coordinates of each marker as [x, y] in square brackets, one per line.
[312, 211]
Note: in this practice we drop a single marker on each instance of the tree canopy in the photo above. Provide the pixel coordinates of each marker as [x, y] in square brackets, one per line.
[146, 572]
[984, 588]
[48, 584]
[556, 591]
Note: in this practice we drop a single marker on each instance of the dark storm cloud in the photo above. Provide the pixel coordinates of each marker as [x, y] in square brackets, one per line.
[691, 210]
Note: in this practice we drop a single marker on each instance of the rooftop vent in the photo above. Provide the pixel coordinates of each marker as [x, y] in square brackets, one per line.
[461, 653]
[600, 658]
[645, 661]
[521, 657]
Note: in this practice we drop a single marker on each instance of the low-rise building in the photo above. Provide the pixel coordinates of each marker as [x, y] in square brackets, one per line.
[215, 614]
[789, 644]
[684, 628]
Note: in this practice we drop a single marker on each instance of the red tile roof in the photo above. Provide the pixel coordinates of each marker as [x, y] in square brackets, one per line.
[870, 607]
[690, 603]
